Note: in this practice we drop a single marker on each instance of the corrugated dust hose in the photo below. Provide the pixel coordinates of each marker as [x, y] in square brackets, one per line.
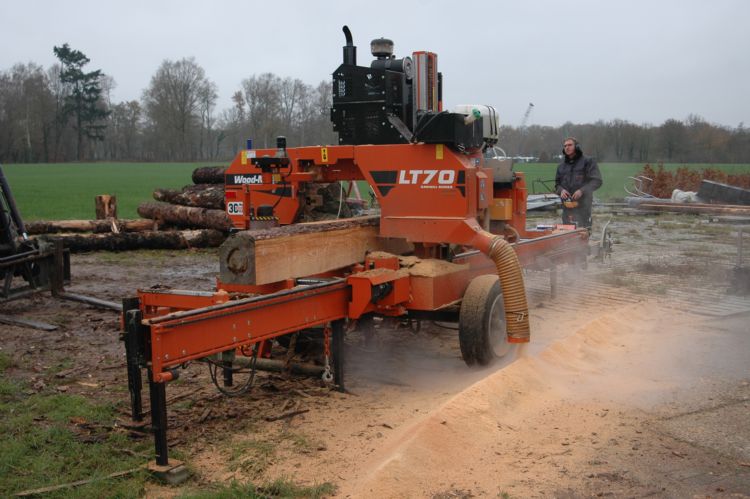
[514, 292]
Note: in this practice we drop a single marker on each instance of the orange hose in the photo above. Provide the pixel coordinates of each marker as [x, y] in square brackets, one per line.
[514, 292]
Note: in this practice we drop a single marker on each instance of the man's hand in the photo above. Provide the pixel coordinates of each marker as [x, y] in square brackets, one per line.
[564, 194]
[577, 194]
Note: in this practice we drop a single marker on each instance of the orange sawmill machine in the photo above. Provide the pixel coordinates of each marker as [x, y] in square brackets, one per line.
[441, 195]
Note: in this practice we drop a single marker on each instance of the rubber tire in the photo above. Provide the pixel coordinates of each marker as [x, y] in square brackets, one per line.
[482, 334]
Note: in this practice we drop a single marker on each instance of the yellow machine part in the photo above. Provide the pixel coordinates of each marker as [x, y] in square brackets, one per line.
[501, 209]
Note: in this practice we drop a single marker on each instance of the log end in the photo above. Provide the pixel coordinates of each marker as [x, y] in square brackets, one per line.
[236, 260]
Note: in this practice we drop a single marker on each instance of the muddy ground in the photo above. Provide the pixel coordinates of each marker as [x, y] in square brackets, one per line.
[636, 382]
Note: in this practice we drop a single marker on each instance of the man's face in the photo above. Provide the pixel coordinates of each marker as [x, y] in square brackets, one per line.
[569, 147]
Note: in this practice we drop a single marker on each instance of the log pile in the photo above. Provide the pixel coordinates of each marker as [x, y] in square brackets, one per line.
[191, 217]
[194, 216]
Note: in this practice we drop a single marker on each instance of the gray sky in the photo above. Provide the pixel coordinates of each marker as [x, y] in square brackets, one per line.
[576, 60]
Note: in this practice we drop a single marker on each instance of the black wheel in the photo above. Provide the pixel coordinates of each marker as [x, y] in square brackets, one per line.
[482, 333]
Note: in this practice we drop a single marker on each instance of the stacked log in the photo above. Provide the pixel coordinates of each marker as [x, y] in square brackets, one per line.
[186, 216]
[95, 226]
[199, 195]
[197, 206]
[170, 239]
[209, 175]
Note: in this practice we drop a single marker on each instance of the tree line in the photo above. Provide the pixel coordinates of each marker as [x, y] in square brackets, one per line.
[66, 113]
[693, 140]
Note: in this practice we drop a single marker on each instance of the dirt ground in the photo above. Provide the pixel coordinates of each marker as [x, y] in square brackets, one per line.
[636, 382]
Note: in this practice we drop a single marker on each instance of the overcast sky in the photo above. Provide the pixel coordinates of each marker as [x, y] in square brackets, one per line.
[643, 61]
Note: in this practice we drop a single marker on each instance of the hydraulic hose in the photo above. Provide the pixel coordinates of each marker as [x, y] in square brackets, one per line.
[511, 281]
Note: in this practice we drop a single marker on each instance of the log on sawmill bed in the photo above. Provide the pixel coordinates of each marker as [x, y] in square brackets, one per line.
[270, 255]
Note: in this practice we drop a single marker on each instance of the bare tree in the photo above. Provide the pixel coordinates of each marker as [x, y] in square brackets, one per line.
[178, 103]
[673, 140]
[263, 97]
[26, 113]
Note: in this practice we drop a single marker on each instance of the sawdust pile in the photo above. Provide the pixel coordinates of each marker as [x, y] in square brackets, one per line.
[547, 407]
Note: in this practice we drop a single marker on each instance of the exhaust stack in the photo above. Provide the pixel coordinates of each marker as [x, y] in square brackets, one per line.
[350, 51]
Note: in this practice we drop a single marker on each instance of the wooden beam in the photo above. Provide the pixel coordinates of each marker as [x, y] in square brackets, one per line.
[265, 256]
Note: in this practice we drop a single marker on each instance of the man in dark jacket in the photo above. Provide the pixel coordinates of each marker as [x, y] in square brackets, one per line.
[575, 182]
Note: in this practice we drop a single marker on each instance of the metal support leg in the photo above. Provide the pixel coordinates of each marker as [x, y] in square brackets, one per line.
[227, 359]
[337, 349]
[159, 419]
[133, 329]
[57, 278]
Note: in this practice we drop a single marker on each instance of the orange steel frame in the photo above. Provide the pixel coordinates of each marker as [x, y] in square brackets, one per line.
[427, 193]
[179, 321]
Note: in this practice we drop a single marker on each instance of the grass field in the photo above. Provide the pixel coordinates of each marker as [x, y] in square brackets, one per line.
[67, 191]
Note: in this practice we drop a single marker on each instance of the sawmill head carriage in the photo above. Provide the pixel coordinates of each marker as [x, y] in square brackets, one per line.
[392, 101]
[448, 243]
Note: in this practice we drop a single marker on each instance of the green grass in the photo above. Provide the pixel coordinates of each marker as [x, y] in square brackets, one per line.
[51, 439]
[252, 456]
[66, 191]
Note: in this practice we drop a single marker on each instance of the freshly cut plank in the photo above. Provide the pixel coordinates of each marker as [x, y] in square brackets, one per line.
[270, 255]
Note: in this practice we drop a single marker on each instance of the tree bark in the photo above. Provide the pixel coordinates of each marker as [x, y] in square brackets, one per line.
[200, 195]
[265, 256]
[185, 216]
[96, 226]
[143, 240]
[209, 175]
